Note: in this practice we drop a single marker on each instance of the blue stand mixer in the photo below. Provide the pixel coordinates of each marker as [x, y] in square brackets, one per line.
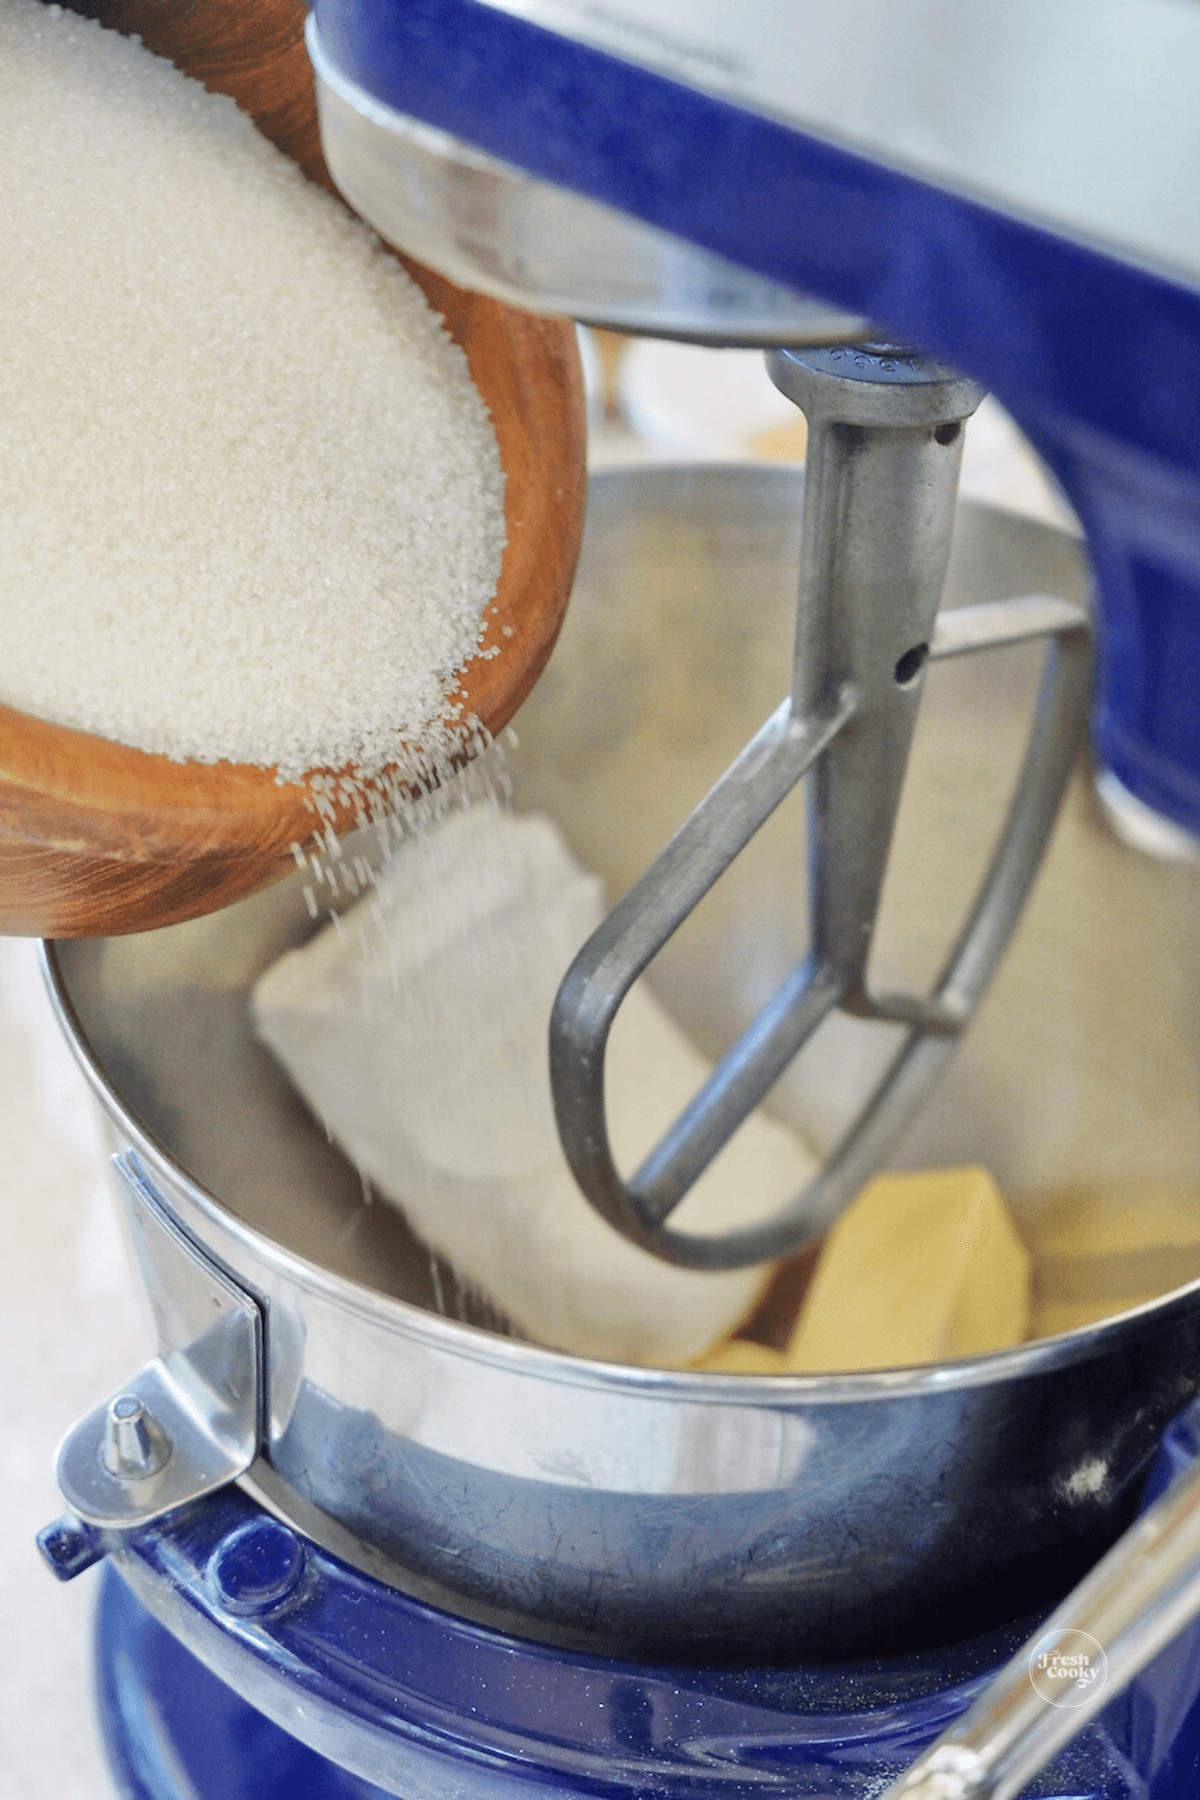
[437, 1702]
[697, 177]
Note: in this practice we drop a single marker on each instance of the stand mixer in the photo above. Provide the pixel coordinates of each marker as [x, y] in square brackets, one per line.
[328, 1448]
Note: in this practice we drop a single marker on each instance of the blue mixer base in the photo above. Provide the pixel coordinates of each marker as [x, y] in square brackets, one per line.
[428, 1705]
[174, 1731]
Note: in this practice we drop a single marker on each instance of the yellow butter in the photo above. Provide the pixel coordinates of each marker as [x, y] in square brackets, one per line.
[738, 1356]
[922, 1268]
[1106, 1248]
[927, 1267]
[1050, 1317]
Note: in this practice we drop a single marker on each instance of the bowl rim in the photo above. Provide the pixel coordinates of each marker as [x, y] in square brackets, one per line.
[1042, 1356]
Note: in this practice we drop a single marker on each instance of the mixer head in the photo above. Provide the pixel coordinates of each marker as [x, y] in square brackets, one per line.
[501, 230]
[987, 187]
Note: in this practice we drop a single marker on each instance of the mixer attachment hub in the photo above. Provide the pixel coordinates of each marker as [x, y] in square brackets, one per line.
[884, 449]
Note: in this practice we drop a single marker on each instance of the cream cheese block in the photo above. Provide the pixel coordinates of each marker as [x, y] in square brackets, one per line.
[416, 1029]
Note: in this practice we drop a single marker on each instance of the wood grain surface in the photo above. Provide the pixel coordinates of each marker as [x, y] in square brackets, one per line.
[97, 838]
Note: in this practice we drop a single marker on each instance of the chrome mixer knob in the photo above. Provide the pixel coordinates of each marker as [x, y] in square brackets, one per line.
[135, 1444]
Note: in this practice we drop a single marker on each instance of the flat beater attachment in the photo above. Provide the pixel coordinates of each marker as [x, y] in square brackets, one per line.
[884, 449]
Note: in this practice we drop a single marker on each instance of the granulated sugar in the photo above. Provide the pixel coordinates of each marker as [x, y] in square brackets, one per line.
[251, 504]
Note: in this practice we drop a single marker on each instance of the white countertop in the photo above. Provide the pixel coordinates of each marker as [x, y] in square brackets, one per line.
[71, 1329]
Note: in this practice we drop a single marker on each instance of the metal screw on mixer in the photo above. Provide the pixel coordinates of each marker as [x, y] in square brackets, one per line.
[135, 1444]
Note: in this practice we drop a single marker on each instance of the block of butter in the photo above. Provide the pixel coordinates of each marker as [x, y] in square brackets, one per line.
[1108, 1247]
[921, 1268]
[417, 1031]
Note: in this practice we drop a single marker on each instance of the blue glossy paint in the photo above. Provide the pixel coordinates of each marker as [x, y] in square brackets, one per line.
[477, 1713]
[68, 1547]
[257, 1567]
[174, 1732]
[1099, 361]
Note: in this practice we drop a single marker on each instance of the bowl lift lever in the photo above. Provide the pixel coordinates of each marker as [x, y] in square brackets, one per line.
[884, 449]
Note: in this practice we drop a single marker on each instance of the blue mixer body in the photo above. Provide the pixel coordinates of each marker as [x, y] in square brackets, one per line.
[425, 1703]
[1097, 358]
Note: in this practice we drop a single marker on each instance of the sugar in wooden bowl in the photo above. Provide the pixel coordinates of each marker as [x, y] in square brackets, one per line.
[263, 516]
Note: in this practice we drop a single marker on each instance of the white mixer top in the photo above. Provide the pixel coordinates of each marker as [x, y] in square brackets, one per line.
[1042, 111]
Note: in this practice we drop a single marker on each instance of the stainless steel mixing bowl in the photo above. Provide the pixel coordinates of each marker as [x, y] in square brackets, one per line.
[675, 1515]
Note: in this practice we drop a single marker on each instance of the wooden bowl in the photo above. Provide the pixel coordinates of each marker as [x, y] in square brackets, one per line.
[98, 839]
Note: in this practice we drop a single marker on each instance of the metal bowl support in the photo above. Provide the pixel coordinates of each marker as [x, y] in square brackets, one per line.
[885, 444]
[190, 1421]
